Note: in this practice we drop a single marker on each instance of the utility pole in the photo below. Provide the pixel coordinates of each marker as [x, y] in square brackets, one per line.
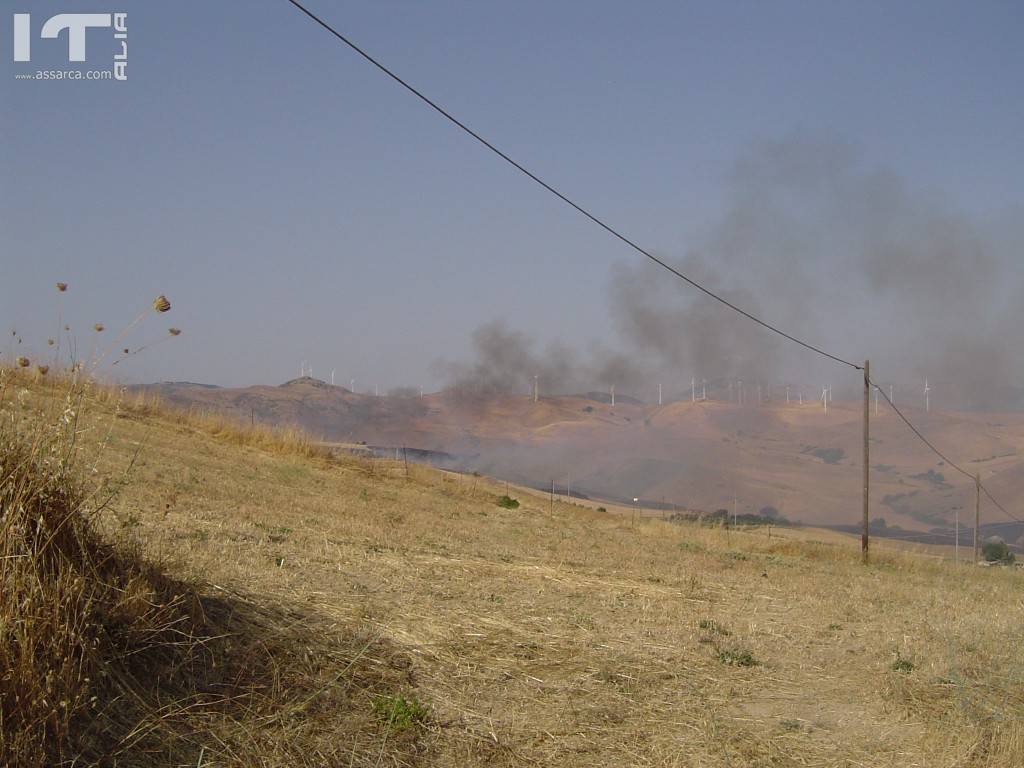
[956, 542]
[977, 513]
[867, 460]
[551, 503]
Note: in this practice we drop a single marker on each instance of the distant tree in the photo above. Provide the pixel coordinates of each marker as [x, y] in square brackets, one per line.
[996, 551]
[770, 512]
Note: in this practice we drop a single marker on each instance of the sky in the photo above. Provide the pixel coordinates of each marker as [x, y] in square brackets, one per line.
[296, 205]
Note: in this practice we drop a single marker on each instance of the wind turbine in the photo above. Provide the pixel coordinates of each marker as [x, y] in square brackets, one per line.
[659, 393]
[704, 389]
[613, 395]
[693, 389]
[332, 376]
[787, 394]
[927, 401]
[535, 388]
[824, 398]
[352, 385]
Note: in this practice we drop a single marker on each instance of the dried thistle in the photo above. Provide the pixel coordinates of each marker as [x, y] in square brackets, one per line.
[43, 369]
[62, 287]
[23, 362]
[161, 304]
[98, 327]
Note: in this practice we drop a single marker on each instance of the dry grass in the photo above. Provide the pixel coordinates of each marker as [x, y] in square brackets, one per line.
[104, 659]
[330, 589]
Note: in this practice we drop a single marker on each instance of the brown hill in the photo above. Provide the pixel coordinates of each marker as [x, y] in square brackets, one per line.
[700, 455]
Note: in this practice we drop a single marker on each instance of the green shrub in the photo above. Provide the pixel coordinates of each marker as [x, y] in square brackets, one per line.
[713, 626]
[399, 712]
[737, 657]
[508, 502]
[902, 664]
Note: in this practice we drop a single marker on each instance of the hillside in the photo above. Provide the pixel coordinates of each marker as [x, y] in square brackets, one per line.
[386, 618]
[698, 455]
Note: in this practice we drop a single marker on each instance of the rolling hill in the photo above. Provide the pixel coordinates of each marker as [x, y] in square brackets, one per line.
[703, 455]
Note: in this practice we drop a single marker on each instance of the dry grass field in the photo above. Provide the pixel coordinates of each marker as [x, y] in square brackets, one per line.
[276, 606]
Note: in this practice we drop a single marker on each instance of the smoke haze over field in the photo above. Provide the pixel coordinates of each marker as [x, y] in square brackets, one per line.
[816, 241]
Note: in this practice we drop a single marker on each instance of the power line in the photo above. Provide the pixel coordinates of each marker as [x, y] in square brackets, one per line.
[917, 432]
[1004, 510]
[941, 455]
[579, 208]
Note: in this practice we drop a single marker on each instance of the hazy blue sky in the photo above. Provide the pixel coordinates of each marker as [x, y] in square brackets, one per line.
[295, 204]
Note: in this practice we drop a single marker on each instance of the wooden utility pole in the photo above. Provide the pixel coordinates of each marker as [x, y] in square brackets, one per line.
[956, 541]
[551, 502]
[867, 460]
[977, 513]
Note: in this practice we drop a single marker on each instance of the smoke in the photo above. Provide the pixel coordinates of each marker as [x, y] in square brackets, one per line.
[848, 257]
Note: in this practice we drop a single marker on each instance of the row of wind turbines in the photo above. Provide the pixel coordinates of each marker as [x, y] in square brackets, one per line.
[740, 393]
[306, 371]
